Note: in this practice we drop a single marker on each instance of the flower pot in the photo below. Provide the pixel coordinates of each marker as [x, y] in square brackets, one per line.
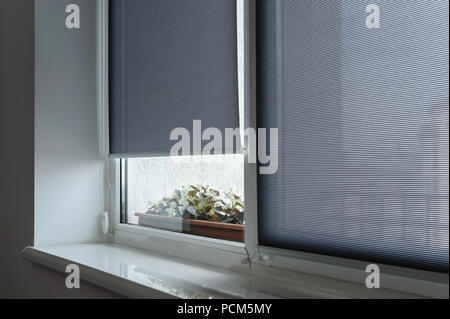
[195, 227]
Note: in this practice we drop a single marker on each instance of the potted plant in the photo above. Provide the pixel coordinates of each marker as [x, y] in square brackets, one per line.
[198, 210]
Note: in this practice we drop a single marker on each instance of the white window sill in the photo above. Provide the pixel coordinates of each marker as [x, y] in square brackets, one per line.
[138, 273]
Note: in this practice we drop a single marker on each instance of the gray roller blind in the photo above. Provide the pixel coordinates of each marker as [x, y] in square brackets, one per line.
[171, 62]
[363, 119]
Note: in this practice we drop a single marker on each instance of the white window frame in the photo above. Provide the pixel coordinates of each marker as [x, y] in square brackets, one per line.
[233, 255]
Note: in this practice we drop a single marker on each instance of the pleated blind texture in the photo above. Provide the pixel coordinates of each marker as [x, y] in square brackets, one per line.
[171, 62]
[363, 130]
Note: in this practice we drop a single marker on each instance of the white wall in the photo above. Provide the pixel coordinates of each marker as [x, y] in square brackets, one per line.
[20, 278]
[68, 172]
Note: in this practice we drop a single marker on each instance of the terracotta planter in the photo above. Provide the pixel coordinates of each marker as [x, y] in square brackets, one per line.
[195, 227]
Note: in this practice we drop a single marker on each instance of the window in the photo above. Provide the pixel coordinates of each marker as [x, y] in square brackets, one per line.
[173, 64]
[200, 195]
[363, 132]
[363, 118]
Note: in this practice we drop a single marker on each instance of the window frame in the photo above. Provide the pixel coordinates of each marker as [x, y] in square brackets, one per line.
[234, 255]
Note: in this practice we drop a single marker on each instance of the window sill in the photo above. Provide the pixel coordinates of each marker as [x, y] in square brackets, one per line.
[137, 273]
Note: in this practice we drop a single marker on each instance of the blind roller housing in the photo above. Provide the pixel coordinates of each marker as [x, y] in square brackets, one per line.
[363, 128]
[171, 62]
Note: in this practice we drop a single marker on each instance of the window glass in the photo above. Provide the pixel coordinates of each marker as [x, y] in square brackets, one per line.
[186, 194]
[363, 126]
